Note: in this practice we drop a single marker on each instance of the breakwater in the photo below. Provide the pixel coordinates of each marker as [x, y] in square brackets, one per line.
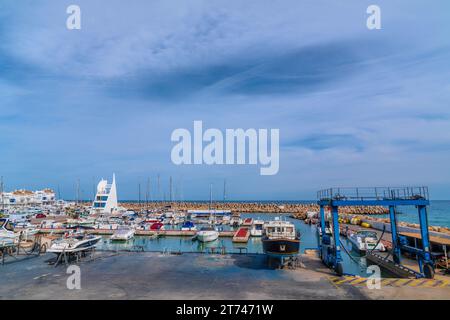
[298, 210]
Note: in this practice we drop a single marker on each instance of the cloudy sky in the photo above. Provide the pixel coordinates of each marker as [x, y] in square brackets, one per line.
[355, 107]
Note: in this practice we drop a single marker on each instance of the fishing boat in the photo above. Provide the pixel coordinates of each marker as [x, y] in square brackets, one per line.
[280, 239]
[365, 240]
[188, 226]
[257, 229]
[74, 244]
[123, 233]
[207, 234]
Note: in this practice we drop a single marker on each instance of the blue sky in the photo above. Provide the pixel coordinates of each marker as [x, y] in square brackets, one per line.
[354, 107]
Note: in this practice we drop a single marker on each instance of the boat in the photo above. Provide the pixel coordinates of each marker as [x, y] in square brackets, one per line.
[235, 220]
[257, 229]
[188, 226]
[6, 229]
[365, 240]
[247, 222]
[123, 233]
[157, 226]
[207, 234]
[280, 239]
[74, 244]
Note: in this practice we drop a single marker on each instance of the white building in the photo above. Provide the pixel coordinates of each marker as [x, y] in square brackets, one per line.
[105, 201]
[27, 198]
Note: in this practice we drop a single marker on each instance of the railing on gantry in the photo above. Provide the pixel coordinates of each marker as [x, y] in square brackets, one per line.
[374, 193]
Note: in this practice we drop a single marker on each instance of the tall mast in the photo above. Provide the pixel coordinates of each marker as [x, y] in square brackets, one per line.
[170, 189]
[224, 190]
[139, 190]
[159, 188]
[78, 191]
[147, 194]
[2, 191]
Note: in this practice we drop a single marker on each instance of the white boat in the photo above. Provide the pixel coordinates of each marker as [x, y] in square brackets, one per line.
[235, 220]
[123, 233]
[6, 229]
[74, 244]
[257, 229]
[207, 234]
[365, 240]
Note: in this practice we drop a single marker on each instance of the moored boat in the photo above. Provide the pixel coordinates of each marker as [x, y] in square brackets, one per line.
[280, 239]
[123, 233]
[366, 240]
[188, 226]
[257, 229]
[207, 234]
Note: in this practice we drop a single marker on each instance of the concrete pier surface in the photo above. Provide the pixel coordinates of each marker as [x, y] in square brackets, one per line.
[149, 275]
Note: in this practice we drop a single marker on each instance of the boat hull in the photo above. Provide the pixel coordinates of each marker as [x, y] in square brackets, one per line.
[207, 236]
[280, 247]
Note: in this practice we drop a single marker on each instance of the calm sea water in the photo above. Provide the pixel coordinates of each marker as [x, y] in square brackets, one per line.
[438, 213]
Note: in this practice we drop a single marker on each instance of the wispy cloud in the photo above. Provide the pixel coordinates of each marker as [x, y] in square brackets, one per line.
[353, 106]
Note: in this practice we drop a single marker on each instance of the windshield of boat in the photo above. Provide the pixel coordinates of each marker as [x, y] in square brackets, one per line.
[367, 234]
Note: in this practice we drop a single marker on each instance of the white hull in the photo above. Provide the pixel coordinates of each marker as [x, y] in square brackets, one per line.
[123, 237]
[363, 246]
[256, 233]
[207, 236]
[72, 245]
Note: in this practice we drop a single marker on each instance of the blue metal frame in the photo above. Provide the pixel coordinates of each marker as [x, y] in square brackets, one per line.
[376, 196]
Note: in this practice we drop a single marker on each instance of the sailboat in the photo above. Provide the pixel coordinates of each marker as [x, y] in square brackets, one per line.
[208, 234]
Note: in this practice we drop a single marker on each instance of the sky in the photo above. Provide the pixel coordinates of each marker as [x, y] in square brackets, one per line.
[355, 107]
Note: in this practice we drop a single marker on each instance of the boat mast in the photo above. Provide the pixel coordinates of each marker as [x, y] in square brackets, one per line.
[2, 191]
[224, 189]
[147, 194]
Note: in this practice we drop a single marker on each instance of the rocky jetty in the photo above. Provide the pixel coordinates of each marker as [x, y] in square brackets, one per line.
[297, 210]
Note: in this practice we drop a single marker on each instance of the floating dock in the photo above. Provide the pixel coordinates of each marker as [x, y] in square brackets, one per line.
[242, 235]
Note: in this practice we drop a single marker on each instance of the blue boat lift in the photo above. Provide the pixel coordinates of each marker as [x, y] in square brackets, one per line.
[330, 246]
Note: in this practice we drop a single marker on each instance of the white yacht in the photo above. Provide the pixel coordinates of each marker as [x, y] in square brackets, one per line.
[365, 240]
[207, 234]
[257, 228]
[123, 233]
[74, 244]
[6, 229]
[106, 198]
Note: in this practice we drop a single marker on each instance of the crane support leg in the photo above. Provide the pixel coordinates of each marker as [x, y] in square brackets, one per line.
[394, 231]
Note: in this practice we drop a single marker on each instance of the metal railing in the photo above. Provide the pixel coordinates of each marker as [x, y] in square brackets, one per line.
[374, 193]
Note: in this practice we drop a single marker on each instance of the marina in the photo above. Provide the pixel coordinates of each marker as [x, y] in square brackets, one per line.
[278, 245]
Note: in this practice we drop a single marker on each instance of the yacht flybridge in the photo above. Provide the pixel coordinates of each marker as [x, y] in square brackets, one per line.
[105, 201]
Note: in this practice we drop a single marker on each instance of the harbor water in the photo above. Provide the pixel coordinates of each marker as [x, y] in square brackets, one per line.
[352, 265]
